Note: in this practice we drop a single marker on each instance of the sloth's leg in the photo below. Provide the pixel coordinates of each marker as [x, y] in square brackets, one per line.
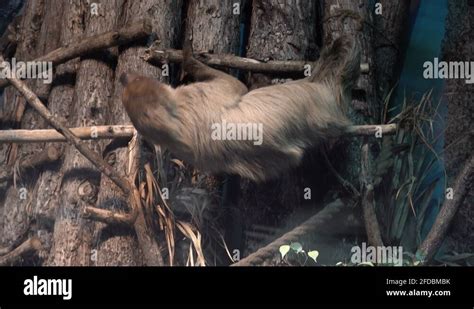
[196, 71]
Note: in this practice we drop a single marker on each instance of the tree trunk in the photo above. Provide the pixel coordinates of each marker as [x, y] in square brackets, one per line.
[115, 245]
[72, 242]
[388, 38]
[459, 138]
[278, 31]
[17, 210]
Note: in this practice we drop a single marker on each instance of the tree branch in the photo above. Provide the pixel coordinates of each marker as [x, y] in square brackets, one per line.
[126, 131]
[154, 55]
[95, 43]
[49, 135]
[368, 204]
[433, 241]
[372, 130]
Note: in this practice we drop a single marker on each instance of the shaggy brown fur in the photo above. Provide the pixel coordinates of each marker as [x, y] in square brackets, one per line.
[294, 116]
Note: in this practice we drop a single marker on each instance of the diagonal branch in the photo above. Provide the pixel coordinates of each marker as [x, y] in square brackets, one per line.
[433, 241]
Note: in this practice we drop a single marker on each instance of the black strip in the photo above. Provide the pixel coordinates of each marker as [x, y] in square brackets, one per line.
[264, 285]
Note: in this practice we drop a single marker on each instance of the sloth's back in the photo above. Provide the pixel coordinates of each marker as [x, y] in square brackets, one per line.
[294, 110]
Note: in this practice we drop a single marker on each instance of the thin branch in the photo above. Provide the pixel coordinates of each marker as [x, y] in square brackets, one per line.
[154, 55]
[462, 185]
[126, 131]
[372, 130]
[29, 246]
[368, 204]
[95, 43]
[49, 135]
[105, 216]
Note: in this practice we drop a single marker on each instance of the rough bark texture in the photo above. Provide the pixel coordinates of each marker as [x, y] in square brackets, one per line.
[60, 102]
[93, 89]
[459, 138]
[212, 26]
[281, 31]
[388, 36]
[17, 209]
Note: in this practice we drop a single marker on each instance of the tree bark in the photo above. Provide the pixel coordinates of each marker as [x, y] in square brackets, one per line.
[73, 235]
[388, 39]
[459, 139]
[18, 209]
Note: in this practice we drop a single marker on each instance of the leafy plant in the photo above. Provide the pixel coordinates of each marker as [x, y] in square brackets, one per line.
[294, 254]
[407, 174]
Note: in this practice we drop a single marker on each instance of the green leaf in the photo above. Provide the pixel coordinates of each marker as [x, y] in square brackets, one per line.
[296, 246]
[314, 255]
[284, 250]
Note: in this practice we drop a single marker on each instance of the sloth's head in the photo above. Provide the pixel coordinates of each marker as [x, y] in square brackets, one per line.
[151, 107]
[143, 94]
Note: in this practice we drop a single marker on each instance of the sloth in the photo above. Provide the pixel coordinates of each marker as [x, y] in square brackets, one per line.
[218, 127]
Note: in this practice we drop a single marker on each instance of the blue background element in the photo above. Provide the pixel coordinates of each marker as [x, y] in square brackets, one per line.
[427, 23]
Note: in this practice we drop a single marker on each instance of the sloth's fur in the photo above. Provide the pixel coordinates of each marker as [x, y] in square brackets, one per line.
[295, 116]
